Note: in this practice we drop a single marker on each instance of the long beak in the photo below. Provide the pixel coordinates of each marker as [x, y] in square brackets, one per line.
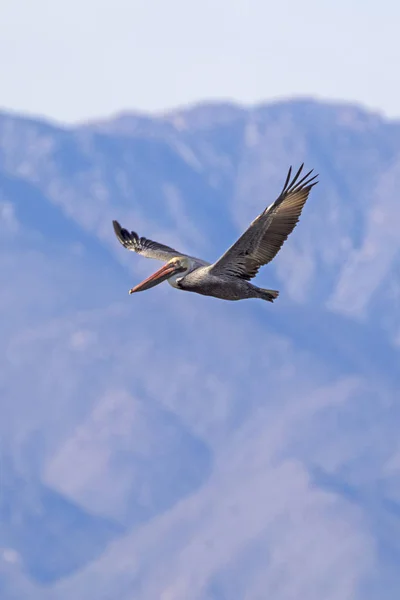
[158, 277]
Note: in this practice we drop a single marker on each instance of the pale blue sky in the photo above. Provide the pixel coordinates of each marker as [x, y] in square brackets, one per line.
[87, 58]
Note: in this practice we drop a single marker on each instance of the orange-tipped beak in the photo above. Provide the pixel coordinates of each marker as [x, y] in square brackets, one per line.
[158, 277]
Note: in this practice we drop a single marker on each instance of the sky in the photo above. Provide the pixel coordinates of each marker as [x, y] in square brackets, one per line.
[83, 59]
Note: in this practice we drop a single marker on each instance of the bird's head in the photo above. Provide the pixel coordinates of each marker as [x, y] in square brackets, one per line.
[172, 269]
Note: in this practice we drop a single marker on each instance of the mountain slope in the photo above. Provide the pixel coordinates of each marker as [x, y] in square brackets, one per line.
[199, 448]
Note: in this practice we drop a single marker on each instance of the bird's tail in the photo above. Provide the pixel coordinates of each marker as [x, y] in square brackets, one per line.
[269, 295]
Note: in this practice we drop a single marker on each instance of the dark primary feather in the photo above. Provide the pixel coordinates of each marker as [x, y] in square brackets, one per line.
[261, 242]
[143, 246]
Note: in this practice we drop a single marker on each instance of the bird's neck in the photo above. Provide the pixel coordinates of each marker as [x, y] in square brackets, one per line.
[173, 280]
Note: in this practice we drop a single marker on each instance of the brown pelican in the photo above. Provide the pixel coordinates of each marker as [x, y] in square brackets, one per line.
[228, 278]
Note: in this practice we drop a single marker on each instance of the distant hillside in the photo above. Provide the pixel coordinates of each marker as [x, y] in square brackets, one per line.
[173, 446]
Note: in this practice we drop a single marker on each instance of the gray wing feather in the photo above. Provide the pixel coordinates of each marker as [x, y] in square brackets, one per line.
[143, 246]
[261, 242]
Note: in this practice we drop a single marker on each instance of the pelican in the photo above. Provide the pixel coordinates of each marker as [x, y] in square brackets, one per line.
[229, 277]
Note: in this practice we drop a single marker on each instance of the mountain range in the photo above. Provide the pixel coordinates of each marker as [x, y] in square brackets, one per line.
[177, 447]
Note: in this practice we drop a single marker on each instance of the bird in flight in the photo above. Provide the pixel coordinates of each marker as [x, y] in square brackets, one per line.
[229, 277]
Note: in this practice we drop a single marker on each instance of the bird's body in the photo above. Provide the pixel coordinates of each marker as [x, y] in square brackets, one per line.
[228, 278]
[226, 287]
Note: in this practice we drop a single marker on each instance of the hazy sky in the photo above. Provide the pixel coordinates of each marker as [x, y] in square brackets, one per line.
[76, 59]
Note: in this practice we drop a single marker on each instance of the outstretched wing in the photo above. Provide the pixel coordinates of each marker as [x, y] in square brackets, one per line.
[143, 246]
[260, 243]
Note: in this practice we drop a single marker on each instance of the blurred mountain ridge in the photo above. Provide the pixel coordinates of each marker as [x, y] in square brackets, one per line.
[173, 446]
